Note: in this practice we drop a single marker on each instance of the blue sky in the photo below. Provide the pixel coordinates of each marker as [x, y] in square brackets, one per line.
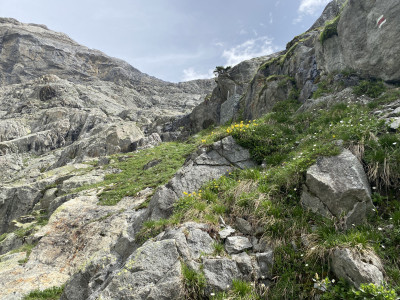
[174, 40]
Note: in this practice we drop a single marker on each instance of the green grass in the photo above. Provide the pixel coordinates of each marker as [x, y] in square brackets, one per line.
[133, 178]
[219, 249]
[53, 293]
[386, 98]
[194, 283]
[324, 88]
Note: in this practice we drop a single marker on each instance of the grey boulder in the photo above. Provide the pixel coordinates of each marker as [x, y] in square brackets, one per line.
[338, 187]
[356, 267]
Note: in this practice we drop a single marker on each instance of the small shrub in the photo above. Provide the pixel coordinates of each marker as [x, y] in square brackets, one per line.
[53, 293]
[370, 88]
[366, 291]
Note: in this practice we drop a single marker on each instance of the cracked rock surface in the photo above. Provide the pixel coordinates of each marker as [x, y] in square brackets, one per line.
[338, 187]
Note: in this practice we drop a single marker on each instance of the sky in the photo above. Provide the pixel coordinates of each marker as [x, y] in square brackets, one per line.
[174, 40]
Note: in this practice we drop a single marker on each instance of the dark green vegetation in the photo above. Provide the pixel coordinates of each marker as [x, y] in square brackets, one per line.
[371, 88]
[53, 293]
[329, 30]
[288, 143]
[194, 283]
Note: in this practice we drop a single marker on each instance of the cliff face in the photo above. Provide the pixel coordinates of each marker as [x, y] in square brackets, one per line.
[94, 197]
[57, 94]
[353, 36]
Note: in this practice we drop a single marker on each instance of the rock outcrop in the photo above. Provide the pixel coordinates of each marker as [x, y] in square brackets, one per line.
[365, 45]
[365, 41]
[357, 267]
[224, 157]
[338, 187]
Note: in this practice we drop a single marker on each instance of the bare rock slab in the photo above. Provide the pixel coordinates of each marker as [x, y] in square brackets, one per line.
[338, 187]
[237, 244]
[219, 274]
[265, 263]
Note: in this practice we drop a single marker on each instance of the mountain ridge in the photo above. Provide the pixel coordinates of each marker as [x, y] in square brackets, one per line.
[273, 182]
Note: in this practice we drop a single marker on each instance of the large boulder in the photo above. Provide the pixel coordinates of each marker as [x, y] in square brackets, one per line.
[151, 272]
[357, 267]
[338, 187]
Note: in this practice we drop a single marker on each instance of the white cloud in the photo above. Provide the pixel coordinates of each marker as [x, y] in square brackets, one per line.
[309, 7]
[252, 48]
[192, 74]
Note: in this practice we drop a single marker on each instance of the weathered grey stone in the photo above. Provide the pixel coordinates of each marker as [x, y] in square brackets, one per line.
[201, 168]
[338, 187]
[227, 231]
[234, 153]
[234, 82]
[162, 203]
[243, 261]
[356, 267]
[192, 241]
[395, 123]
[229, 108]
[243, 226]
[48, 197]
[15, 202]
[153, 269]
[78, 181]
[362, 43]
[199, 242]
[265, 263]
[236, 244]
[11, 242]
[219, 274]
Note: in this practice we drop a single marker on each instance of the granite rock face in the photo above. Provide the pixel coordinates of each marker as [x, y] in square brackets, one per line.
[366, 41]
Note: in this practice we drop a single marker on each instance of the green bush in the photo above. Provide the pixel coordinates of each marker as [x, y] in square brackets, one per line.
[366, 291]
[370, 88]
[53, 293]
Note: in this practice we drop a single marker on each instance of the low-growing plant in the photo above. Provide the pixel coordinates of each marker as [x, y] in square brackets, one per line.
[371, 88]
[329, 30]
[194, 283]
[218, 248]
[52, 293]
[342, 290]
[3, 237]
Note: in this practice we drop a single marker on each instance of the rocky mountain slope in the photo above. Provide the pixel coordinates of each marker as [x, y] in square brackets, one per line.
[285, 184]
